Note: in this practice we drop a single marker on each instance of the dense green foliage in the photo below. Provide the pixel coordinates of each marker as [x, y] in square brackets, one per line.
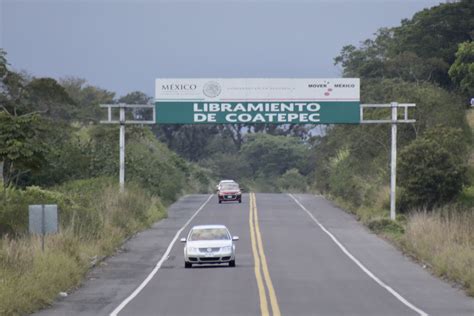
[46, 139]
[409, 64]
[264, 163]
[462, 70]
[420, 49]
[429, 172]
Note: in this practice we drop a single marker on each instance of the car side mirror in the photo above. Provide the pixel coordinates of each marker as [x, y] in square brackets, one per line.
[183, 239]
[235, 238]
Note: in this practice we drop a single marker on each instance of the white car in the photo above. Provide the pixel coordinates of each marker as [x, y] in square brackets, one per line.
[208, 244]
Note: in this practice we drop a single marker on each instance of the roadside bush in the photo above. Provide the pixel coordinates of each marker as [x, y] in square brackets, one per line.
[260, 183]
[342, 182]
[270, 155]
[228, 166]
[100, 205]
[148, 162]
[200, 180]
[292, 181]
[14, 207]
[385, 225]
[429, 174]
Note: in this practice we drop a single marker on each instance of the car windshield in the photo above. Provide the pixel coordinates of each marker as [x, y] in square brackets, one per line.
[209, 234]
[230, 186]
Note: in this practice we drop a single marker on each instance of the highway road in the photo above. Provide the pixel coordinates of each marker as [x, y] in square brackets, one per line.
[297, 255]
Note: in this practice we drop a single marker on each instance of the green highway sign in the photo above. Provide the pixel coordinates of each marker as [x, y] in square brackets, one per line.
[248, 112]
[257, 101]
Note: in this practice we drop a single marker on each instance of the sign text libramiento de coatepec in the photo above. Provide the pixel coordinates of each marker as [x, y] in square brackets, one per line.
[267, 101]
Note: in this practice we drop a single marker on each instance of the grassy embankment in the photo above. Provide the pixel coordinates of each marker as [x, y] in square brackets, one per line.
[441, 239]
[94, 221]
[444, 238]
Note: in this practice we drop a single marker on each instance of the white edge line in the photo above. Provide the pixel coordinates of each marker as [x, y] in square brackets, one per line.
[367, 271]
[158, 265]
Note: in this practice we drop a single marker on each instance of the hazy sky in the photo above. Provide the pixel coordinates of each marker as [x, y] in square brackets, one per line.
[123, 46]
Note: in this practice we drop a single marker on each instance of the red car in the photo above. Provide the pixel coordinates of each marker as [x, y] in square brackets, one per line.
[229, 192]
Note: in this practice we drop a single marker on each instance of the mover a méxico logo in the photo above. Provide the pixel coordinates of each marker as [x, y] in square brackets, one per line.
[329, 86]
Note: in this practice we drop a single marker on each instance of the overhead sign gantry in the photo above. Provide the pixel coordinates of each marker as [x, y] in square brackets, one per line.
[262, 101]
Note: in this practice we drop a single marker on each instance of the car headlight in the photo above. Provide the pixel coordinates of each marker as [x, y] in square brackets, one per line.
[192, 250]
[226, 249]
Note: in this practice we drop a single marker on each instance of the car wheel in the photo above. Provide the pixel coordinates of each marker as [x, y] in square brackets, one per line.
[188, 265]
[232, 263]
[240, 200]
[220, 201]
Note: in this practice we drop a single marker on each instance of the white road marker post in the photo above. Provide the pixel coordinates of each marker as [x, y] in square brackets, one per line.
[122, 149]
[393, 161]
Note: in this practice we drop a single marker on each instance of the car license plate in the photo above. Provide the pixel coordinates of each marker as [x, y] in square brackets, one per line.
[229, 196]
[209, 254]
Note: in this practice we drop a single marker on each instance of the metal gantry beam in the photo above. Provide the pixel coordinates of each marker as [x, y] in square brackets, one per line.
[394, 121]
[128, 106]
[123, 121]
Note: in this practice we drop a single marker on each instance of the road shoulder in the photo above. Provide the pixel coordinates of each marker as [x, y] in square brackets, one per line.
[408, 278]
[106, 285]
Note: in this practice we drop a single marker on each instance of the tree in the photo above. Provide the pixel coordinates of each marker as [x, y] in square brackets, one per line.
[135, 97]
[292, 181]
[273, 155]
[48, 97]
[227, 166]
[420, 49]
[436, 32]
[462, 70]
[86, 98]
[13, 92]
[22, 148]
[68, 157]
[21, 131]
[430, 172]
[368, 60]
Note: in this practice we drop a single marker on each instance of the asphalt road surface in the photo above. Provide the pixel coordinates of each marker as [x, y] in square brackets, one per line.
[297, 255]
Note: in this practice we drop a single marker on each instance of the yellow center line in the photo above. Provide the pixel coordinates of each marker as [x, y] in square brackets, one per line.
[266, 273]
[261, 260]
[258, 275]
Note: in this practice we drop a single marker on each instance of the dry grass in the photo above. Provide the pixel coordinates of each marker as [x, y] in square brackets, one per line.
[445, 241]
[470, 121]
[31, 279]
[470, 118]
